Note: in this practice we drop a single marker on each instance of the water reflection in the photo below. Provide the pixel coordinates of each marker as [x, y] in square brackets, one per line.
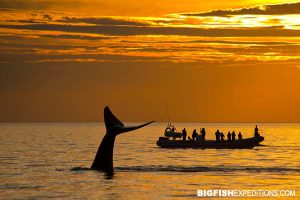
[52, 161]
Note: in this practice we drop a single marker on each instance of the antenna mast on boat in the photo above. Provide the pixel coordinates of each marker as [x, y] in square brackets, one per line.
[168, 114]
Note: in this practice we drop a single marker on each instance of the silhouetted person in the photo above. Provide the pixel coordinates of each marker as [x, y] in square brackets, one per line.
[240, 136]
[256, 134]
[194, 135]
[203, 133]
[184, 133]
[217, 135]
[228, 136]
[222, 136]
[233, 135]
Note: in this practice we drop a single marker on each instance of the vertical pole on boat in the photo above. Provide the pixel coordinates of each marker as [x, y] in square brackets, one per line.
[168, 115]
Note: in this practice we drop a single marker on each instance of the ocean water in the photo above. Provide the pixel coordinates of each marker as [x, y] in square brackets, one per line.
[39, 161]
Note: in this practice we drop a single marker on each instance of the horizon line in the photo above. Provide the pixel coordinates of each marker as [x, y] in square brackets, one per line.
[81, 122]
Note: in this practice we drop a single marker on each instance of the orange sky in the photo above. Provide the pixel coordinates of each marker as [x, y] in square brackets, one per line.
[63, 61]
[131, 7]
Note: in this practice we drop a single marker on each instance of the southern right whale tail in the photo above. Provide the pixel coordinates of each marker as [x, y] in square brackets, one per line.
[114, 126]
[104, 157]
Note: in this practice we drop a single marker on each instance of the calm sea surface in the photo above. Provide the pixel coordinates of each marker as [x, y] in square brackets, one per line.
[38, 161]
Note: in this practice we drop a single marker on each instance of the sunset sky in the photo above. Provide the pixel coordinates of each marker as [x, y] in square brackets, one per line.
[210, 61]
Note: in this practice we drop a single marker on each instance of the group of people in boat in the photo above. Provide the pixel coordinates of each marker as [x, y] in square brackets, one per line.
[230, 136]
[219, 135]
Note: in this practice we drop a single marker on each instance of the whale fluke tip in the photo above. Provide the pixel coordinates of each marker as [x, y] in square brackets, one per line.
[111, 121]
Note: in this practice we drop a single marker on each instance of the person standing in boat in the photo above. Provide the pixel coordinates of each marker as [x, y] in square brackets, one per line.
[228, 136]
[217, 135]
[256, 134]
[240, 136]
[233, 136]
[222, 136]
[173, 129]
[184, 133]
[194, 135]
[203, 133]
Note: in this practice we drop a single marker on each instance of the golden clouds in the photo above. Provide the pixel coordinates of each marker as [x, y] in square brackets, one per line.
[129, 7]
[221, 37]
[225, 54]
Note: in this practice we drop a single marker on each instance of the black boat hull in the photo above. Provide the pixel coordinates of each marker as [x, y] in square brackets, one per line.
[247, 143]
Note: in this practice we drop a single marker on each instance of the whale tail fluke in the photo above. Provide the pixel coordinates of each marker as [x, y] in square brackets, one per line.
[104, 156]
[115, 126]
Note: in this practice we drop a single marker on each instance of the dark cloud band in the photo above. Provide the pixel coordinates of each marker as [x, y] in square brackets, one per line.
[277, 9]
[135, 30]
[103, 21]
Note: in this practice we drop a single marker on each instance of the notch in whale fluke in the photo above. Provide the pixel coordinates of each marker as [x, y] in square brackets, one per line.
[104, 157]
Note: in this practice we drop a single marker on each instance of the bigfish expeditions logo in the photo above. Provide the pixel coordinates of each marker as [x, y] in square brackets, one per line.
[246, 193]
